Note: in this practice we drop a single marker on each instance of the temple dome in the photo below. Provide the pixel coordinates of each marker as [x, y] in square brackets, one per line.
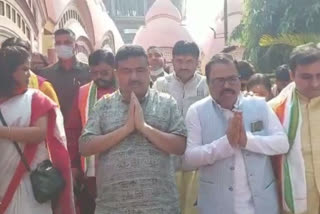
[163, 26]
[163, 8]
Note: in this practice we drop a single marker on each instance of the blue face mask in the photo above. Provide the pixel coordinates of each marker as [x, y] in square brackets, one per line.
[64, 51]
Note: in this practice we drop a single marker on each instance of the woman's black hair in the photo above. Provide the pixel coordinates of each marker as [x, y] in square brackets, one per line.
[259, 79]
[10, 59]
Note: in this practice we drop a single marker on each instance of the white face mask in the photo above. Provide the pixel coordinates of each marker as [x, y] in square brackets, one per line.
[64, 51]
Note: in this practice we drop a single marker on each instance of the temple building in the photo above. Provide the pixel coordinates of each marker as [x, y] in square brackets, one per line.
[129, 15]
[215, 41]
[24, 19]
[163, 28]
[36, 21]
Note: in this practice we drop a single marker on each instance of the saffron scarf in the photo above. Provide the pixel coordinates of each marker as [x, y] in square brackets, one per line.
[290, 167]
[87, 99]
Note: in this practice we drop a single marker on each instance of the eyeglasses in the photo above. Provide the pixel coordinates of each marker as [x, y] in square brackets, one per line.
[220, 81]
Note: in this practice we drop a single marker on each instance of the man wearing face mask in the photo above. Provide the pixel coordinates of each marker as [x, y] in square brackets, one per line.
[68, 74]
[103, 82]
[157, 63]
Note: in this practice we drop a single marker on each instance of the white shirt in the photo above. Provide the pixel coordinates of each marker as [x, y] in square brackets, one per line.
[155, 74]
[184, 93]
[198, 155]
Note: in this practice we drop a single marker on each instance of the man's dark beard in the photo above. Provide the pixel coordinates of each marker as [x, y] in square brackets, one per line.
[106, 84]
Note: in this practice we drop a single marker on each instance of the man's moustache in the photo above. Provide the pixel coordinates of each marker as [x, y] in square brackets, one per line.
[104, 83]
[228, 90]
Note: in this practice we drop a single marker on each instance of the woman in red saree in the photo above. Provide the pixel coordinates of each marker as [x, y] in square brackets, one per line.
[35, 122]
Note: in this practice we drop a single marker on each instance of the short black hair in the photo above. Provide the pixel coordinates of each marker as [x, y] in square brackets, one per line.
[101, 56]
[221, 58]
[229, 49]
[16, 41]
[304, 55]
[65, 31]
[259, 79]
[245, 69]
[11, 58]
[282, 73]
[186, 48]
[154, 47]
[128, 51]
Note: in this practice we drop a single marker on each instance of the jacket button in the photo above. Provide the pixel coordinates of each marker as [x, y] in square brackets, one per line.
[232, 168]
[231, 189]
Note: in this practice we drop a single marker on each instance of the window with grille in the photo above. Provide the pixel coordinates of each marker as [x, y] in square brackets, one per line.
[1, 8]
[23, 27]
[13, 17]
[19, 20]
[35, 13]
[8, 11]
[28, 33]
[129, 7]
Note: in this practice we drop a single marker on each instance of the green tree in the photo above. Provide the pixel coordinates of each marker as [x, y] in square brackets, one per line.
[275, 18]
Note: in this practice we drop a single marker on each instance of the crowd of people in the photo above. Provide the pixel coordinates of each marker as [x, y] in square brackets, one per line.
[129, 134]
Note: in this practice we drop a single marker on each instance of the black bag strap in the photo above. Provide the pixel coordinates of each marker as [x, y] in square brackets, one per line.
[23, 158]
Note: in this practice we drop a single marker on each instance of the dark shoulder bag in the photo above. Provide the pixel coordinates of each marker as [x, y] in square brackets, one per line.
[46, 180]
